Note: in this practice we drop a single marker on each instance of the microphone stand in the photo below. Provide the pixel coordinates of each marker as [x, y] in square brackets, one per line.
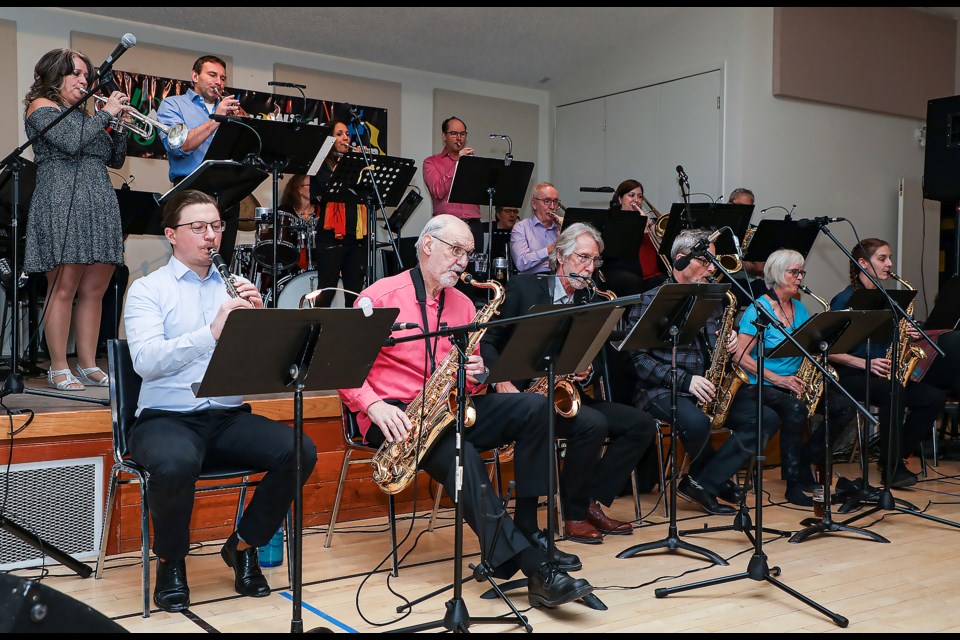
[886, 501]
[372, 211]
[758, 568]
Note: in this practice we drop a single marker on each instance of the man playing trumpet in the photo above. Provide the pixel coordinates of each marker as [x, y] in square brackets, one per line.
[532, 239]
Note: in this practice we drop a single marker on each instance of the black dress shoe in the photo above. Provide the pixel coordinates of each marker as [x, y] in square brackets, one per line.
[902, 477]
[248, 578]
[551, 587]
[690, 489]
[172, 593]
[564, 561]
[730, 492]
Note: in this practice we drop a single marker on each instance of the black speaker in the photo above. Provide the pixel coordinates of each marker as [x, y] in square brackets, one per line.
[27, 606]
[941, 161]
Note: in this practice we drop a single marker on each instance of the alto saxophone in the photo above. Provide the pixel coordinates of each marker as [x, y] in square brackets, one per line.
[727, 382]
[566, 396]
[811, 377]
[395, 464]
[908, 355]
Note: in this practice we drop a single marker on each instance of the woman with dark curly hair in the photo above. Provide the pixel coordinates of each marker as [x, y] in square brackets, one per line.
[73, 227]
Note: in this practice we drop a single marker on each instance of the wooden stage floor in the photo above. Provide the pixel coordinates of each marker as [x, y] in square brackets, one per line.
[904, 586]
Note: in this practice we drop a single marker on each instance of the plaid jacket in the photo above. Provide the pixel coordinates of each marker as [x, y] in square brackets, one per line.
[653, 367]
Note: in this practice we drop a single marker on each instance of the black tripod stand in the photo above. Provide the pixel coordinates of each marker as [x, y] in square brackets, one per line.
[675, 316]
[457, 618]
[758, 568]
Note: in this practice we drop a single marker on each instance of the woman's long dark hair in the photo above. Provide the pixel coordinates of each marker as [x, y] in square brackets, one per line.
[625, 187]
[49, 73]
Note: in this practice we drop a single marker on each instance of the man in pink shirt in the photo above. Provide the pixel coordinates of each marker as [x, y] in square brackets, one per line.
[426, 296]
[438, 173]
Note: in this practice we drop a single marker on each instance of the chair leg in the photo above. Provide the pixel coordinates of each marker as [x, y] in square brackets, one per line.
[240, 502]
[107, 519]
[559, 499]
[145, 546]
[663, 474]
[392, 515]
[636, 493]
[336, 501]
[935, 436]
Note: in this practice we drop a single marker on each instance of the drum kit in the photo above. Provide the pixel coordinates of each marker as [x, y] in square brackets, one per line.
[255, 261]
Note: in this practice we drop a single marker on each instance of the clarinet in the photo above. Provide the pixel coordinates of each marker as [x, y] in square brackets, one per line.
[228, 278]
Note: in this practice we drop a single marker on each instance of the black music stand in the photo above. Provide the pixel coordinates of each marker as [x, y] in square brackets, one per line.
[227, 181]
[139, 212]
[946, 310]
[292, 344]
[675, 316]
[27, 183]
[554, 340]
[708, 216]
[351, 182]
[772, 235]
[289, 147]
[493, 182]
[840, 331]
[622, 231]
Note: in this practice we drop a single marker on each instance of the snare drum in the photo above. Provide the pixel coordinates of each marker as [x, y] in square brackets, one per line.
[289, 238]
[292, 289]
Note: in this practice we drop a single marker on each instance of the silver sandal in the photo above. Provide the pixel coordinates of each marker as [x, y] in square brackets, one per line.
[84, 375]
[69, 382]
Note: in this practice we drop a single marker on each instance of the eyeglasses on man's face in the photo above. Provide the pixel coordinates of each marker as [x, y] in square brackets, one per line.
[200, 227]
[550, 202]
[458, 251]
[584, 258]
[457, 134]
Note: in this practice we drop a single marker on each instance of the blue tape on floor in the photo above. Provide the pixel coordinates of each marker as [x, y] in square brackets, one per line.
[345, 627]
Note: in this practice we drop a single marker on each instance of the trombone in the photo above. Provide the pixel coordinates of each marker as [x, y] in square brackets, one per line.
[144, 126]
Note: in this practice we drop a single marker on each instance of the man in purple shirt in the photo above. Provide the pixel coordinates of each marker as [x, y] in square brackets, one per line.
[438, 173]
[533, 238]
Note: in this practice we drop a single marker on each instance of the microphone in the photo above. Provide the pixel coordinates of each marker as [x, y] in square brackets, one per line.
[682, 176]
[219, 118]
[127, 41]
[698, 250]
[597, 189]
[820, 221]
[403, 326]
[289, 85]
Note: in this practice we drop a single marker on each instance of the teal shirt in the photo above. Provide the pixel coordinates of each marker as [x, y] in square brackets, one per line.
[773, 337]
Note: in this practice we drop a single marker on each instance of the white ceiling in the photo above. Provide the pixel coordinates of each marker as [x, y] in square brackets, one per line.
[518, 46]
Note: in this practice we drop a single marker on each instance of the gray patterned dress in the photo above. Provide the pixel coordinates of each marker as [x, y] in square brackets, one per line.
[74, 217]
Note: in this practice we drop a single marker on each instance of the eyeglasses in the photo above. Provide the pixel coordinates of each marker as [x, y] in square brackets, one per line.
[797, 273]
[458, 251]
[457, 134]
[200, 227]
[597, 262]
[549, 202]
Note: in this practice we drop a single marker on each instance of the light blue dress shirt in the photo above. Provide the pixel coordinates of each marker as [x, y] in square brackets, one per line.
[189, 109]
[167, 318]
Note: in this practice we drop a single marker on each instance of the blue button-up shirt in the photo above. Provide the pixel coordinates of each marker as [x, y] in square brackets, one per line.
[529, 240]
[189, 109]
[167, 318]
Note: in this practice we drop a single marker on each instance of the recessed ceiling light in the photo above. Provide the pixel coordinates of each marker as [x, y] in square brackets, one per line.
[544, 80]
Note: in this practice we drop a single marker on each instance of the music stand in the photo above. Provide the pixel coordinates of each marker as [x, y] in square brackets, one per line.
[622, 231]
[139, 212]
[292, 344]
[289, 147]
[554, 340]
[27, 183]
[227, 181]
[674, 317]
[771, 235]
[708, 216]
[493, 182]
[351, 182]
[944, 317]
[840, 331]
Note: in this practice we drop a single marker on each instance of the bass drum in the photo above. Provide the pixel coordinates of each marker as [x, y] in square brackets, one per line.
[292, 289]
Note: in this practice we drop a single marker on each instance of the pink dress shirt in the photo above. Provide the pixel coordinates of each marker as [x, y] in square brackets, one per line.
[438, 176]
[398, 372]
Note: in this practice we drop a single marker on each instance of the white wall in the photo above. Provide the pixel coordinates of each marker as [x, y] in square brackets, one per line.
[827, 160]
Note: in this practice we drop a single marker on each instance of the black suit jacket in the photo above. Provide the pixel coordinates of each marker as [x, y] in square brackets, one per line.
[523, 291]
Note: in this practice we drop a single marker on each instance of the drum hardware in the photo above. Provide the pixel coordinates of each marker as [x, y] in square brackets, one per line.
[288, 238]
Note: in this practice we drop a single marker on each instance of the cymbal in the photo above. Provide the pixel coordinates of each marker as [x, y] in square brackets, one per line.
[248, 206]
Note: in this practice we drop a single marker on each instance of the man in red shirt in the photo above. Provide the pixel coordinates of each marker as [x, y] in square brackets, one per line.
[438, 173]
[426, 297]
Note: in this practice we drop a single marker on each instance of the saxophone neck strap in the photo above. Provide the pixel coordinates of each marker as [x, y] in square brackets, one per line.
[421, 291]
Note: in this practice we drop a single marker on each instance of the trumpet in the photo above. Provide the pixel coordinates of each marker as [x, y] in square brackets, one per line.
[144, 126]
[241, 113]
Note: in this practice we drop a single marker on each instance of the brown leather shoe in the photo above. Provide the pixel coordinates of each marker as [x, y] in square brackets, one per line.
[599, 519]
[581, 531]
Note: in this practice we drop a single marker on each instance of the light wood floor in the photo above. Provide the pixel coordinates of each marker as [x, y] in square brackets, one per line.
[909, 585]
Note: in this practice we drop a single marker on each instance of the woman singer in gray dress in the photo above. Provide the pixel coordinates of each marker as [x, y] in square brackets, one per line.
[73, 227]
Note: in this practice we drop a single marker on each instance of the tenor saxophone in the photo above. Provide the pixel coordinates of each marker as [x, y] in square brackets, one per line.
[811, 377]
[726, 380]
[908, 355]
[395, 464]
